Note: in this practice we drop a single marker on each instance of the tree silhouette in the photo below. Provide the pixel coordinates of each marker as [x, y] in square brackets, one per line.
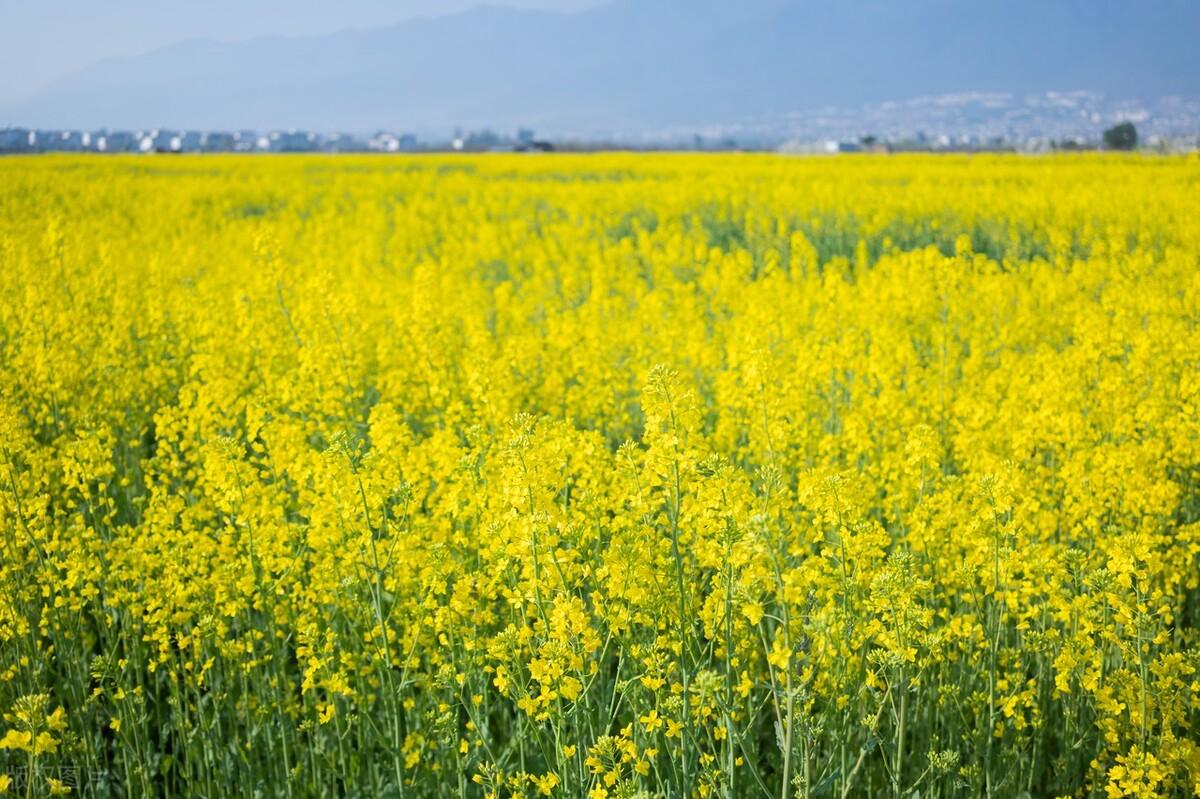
[1121, 137]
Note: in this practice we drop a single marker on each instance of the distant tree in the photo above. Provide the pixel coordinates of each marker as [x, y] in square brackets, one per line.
[1068, 145]
[1121, 137]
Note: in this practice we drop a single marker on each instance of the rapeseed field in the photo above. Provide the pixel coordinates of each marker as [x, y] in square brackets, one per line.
[600, 476]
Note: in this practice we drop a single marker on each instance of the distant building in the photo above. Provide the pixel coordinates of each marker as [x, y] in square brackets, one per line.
[168, 142]
[160, 141]
[192, 141]
[293, 141]
[67, 141]
[17, 140]
[535, 146]
[341, 143]
[218, 142]
[245, 141]
[386, 142]
[120, 141]
[822, 147]
[481, 140]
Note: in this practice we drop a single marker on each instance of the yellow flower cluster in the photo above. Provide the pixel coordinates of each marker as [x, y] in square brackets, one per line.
[606, 476]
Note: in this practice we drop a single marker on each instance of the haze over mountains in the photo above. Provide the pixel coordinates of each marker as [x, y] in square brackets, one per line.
[637, 65]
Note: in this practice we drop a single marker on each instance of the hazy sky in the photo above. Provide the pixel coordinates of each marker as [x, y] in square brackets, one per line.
[43, 40]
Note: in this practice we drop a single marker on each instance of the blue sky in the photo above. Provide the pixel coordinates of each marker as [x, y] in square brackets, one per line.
[635, 65]
[43, 40]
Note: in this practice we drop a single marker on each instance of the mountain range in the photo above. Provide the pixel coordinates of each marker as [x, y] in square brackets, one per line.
[636, 65]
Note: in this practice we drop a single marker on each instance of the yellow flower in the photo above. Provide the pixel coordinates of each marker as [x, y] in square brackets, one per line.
[651, 721]
[478, 456]
[546, 783]
[15, 739]
[45, 742]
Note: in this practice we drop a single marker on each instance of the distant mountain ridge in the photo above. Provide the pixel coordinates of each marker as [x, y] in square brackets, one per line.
[636, 65]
